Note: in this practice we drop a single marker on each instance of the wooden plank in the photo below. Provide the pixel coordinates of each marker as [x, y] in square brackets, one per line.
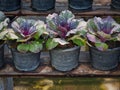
[13, 13]
[83, 70]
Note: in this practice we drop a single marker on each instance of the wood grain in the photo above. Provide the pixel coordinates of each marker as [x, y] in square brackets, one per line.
[83, 70]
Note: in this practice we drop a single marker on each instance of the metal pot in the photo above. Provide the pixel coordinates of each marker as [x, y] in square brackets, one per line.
[10, 5]
[26, 61]
[42, 5]
[104, 60]
[115, 4]
[65, 59]
[80, 4]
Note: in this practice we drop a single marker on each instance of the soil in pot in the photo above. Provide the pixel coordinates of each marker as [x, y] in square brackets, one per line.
[65, 59]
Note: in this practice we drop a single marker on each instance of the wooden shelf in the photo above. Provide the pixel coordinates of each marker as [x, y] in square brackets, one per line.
[96, 11]
[83, 70]
[13, 13]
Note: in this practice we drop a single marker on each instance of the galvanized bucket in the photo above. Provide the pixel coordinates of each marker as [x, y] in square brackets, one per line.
[66, 59]
[80, 4]
[43, 5]
[115, 4]
[104, 60]
[10, 5]
[1, 55]
[26, 61]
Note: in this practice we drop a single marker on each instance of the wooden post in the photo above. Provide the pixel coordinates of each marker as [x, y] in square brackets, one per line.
[2, 84]
[6, 83]
[9, 83]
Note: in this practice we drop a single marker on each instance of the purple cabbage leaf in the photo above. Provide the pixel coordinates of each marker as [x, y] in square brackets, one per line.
[101, 31]
[63, 26]
[27, 29]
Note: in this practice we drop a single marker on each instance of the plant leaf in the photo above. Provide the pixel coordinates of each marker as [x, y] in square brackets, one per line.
[66, 16]
[78, 40]
[104, 35]
[16, 26]
[92, 26]
[24, 39]
[50, 44]
[11, 34]
[108, 25]
[40, 30]
[74, 23]
[52, 21]
[101, 46]
[3, 34]
[91, 37]
[51, 25]
[35, 47]
[74, 31]
[60, 41]
[23, 48]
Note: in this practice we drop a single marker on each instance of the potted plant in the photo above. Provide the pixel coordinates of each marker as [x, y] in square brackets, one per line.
[102, 36]
[115, 4]
[43, 5]
[26, 43]
[80, 4]
[10, 5]
[3, 26]
[65, 38]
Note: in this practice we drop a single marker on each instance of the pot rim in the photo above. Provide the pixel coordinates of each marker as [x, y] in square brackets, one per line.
[14, 50]
[66, 49]
[113, 49]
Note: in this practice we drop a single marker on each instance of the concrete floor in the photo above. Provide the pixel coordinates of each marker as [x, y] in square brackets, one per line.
[67, 84]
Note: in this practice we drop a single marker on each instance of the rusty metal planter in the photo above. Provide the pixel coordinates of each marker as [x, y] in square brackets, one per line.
[43, 5]
[65, 59]
[115, 4]
[104, 60]
[80, 4]
[26, 61]
[10, 5]
[1, 55]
